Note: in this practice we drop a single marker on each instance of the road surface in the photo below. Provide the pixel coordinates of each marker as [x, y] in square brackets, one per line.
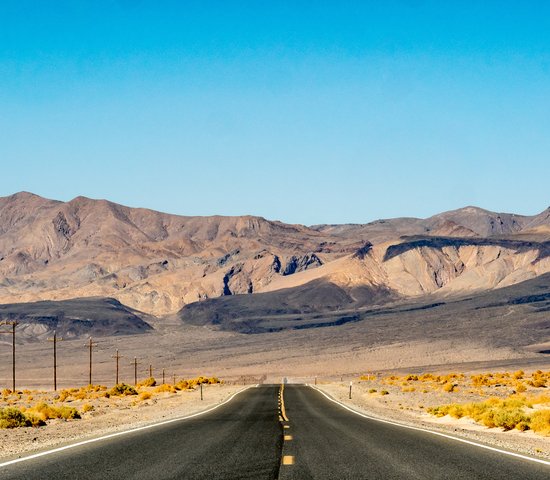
[249, 437]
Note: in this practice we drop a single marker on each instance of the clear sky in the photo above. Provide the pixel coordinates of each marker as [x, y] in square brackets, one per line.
[307, 112]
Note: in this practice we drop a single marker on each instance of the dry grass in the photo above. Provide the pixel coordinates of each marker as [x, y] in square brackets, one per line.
[517, 411]
[17, 408]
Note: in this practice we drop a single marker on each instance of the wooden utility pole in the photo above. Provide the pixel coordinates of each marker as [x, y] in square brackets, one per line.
[163, 376]
[135, 363]
[150, 371]
[13, 325]
[90, 344]
[117, 357]
[54, 339]
[174, 378]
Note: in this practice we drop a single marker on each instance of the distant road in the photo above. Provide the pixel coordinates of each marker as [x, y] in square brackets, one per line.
[243, 439]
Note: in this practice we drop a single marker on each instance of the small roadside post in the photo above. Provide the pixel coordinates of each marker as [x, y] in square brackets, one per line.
[201, 391]
[350, 384]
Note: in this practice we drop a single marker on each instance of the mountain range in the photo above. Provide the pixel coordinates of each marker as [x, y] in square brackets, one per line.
[210, 269]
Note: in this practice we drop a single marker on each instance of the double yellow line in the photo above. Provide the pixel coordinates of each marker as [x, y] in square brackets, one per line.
[286, 459]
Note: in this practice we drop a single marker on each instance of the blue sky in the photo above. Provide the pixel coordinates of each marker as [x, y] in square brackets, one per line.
[307, 112]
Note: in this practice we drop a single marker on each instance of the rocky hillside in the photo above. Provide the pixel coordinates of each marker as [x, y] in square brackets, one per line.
[158, 263]
[73, 318]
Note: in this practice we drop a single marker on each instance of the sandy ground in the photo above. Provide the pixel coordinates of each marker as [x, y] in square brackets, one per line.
[109, 415]
[409, 408]
[191, 351]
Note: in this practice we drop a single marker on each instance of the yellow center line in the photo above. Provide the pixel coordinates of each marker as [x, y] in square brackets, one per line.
[288, 437]
[283, 411]
[288, 460]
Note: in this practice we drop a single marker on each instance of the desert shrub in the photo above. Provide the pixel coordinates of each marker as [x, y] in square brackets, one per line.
[520, 387]
[122, 389]
[33, 419]
[384, 392]
[182, 385]
[523, 426]
[372, 390]
[87, 408]
[148, 382]
[538, 379]
[68, 413]
[47, 412]
[508, 418]
[145, 395]
[165, 388]
[12, 417]
[63, 395]
[518, 375]
[449, 387]
[540, 422]
[508, 413]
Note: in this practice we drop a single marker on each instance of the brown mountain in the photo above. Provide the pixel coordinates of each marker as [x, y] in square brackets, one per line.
[157, 263]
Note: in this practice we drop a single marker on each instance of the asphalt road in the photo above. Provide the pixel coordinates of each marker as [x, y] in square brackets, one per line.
[329, 441]
[241, 439]
[246, 439]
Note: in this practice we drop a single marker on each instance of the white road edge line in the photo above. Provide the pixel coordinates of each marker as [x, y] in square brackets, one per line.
[118, 434]
[458, 439]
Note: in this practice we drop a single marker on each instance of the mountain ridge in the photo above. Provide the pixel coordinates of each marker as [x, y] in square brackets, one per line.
[157, 262]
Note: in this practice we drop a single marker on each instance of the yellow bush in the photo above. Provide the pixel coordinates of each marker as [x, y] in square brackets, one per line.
[46, 412]
[520, 387]
[12, 417]
[148, 382]
[540, 422]
[87, 407]
[165, 388]
[182, 385]
[122, 389]
[63, 395]
[449, 387]
[145, 395]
